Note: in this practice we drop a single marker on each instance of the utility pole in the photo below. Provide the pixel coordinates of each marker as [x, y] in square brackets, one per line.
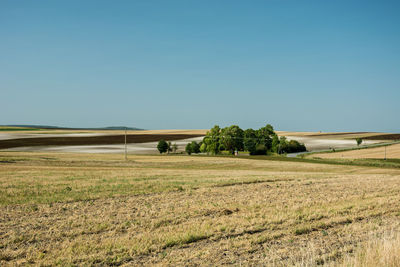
[126, 157]
[385, 152]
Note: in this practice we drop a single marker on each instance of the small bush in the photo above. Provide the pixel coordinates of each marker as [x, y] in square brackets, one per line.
[192, 147]
[359, 141]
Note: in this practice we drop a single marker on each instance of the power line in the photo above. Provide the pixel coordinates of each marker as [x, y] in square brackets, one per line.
[231, 137]
[126, 149]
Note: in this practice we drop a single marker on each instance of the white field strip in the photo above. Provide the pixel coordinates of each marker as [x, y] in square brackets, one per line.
[317, 144]
[133, 148]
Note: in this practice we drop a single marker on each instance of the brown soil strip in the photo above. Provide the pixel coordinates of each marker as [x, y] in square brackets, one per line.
[92, 140]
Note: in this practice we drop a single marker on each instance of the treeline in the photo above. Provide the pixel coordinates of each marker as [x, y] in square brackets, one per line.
[167, 147]
[256, 142]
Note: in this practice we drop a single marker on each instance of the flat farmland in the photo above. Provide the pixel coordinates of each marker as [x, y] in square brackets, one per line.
[90, 140]
[94, 141]
[96, 209]
[145, 141]
[343, 135]
[392, 152]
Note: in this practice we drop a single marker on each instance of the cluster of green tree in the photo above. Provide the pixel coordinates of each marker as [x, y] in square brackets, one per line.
[256, 142]
[291, 146]
[192, 147]
[166, 147]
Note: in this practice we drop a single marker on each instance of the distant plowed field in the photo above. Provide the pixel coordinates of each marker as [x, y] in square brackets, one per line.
[91, 140]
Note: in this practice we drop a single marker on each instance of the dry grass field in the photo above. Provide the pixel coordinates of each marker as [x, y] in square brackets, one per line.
[97, 209]
[392, 152]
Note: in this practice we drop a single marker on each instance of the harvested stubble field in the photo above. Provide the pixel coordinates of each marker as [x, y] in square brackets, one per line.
[75, 209]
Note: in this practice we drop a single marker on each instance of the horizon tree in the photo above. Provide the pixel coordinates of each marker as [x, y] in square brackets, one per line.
[359, 141]
[162, 146]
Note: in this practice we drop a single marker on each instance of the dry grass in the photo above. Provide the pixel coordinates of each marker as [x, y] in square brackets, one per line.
[392, 152]
[378, 251]
[73, 209]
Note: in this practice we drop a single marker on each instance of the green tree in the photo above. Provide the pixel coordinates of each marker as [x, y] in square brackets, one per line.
[294, 146]
[221, 147]
[265, 135]
[257, 142]
[203, 148]
[195, 147]
[212, 140]
[232, 138]
[283, 145]
[250, 141]
[275, 144]
[162, 146]
[188, 149]
[291, 146]
[359, 141]
[192, 147]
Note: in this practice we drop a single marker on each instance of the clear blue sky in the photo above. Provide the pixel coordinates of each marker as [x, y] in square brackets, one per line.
[299, 65]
